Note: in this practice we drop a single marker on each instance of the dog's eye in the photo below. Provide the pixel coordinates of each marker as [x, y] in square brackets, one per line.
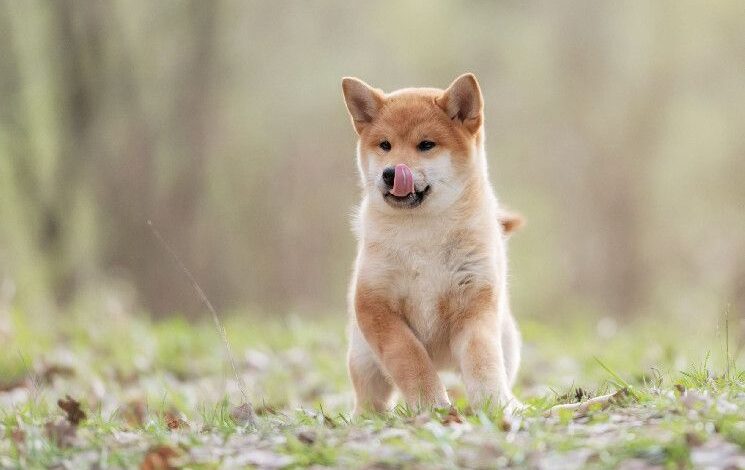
[425, 145]
[385, 145]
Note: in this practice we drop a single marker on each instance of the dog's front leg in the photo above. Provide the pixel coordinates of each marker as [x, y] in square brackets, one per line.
[477, 348]
[401, 354]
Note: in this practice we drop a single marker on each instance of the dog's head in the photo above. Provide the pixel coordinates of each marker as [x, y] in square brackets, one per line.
[418, 147]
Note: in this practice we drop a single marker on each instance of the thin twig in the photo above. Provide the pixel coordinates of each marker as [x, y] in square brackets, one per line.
[726, 339]
[583, 407]
[218, 324]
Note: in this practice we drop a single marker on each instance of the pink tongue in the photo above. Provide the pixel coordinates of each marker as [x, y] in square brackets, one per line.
[403, 182]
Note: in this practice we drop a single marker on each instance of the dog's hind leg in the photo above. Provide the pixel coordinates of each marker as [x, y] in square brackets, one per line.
[511, 344]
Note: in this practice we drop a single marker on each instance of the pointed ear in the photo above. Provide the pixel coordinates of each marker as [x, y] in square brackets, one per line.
[462, 100]
[363, 101]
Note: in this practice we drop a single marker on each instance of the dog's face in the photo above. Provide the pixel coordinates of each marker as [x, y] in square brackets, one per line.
[416, 146]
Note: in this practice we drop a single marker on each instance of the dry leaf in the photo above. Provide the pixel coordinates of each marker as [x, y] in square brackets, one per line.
[159, 458]
[452, 417]
[13, 384]
[505, 425]
[266, 410]
[126, 378]
[134, 414]
[62, 433]
[174, 421]
[50, 371]
[306, 437]
[72, 410]
[243, 414]
[693, 439]
[18, 436]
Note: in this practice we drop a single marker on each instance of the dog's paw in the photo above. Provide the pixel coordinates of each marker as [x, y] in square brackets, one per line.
[509, 405]
[514, 406]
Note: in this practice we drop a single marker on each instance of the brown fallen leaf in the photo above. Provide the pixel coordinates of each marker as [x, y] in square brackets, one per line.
[159, 458]
[505, 425]
[126, 378]
[72, 410]
[243, 414]
[50, 371]
[13, 384]
[18, 436]
[693, 439]
[62, 433]
[133, 413]
[306, 437]
[265, 409]
[452, 417]
[174, 421]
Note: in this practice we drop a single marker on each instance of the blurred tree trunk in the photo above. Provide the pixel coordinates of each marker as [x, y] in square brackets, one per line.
[22, 181]
[173, 211]
[87, 86]
[80, 63]
[194, 106]
[607, 184]
[72, 38]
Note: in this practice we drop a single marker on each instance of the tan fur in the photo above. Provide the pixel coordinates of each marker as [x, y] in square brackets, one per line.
[429, 285]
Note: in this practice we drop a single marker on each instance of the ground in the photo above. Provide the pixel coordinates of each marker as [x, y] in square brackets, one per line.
[126, 392]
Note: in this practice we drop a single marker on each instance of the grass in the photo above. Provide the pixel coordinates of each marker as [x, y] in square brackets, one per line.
[161, 393]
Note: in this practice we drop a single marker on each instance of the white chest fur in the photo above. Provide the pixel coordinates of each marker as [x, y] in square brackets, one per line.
[422, 262]
[420, 276]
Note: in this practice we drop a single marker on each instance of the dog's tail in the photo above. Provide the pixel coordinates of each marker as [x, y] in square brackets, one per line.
[510, 221]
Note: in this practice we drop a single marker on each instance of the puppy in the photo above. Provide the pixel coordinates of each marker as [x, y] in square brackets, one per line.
[429, 287]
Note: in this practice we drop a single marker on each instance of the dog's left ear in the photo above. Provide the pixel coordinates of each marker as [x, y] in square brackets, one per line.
[462, 101]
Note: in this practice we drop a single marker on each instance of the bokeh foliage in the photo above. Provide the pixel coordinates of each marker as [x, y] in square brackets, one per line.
[618, 129]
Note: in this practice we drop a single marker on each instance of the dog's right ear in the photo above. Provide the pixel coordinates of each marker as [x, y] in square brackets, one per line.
[363, 101]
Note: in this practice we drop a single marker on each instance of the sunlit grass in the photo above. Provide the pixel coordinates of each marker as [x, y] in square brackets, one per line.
[131, 375]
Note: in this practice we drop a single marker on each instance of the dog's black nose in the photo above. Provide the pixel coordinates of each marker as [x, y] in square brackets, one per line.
[388, 176]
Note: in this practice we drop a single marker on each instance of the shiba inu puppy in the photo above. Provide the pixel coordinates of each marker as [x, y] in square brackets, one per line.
[429, 287]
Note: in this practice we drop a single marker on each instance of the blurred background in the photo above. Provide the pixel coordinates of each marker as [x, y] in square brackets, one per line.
[616, 128]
